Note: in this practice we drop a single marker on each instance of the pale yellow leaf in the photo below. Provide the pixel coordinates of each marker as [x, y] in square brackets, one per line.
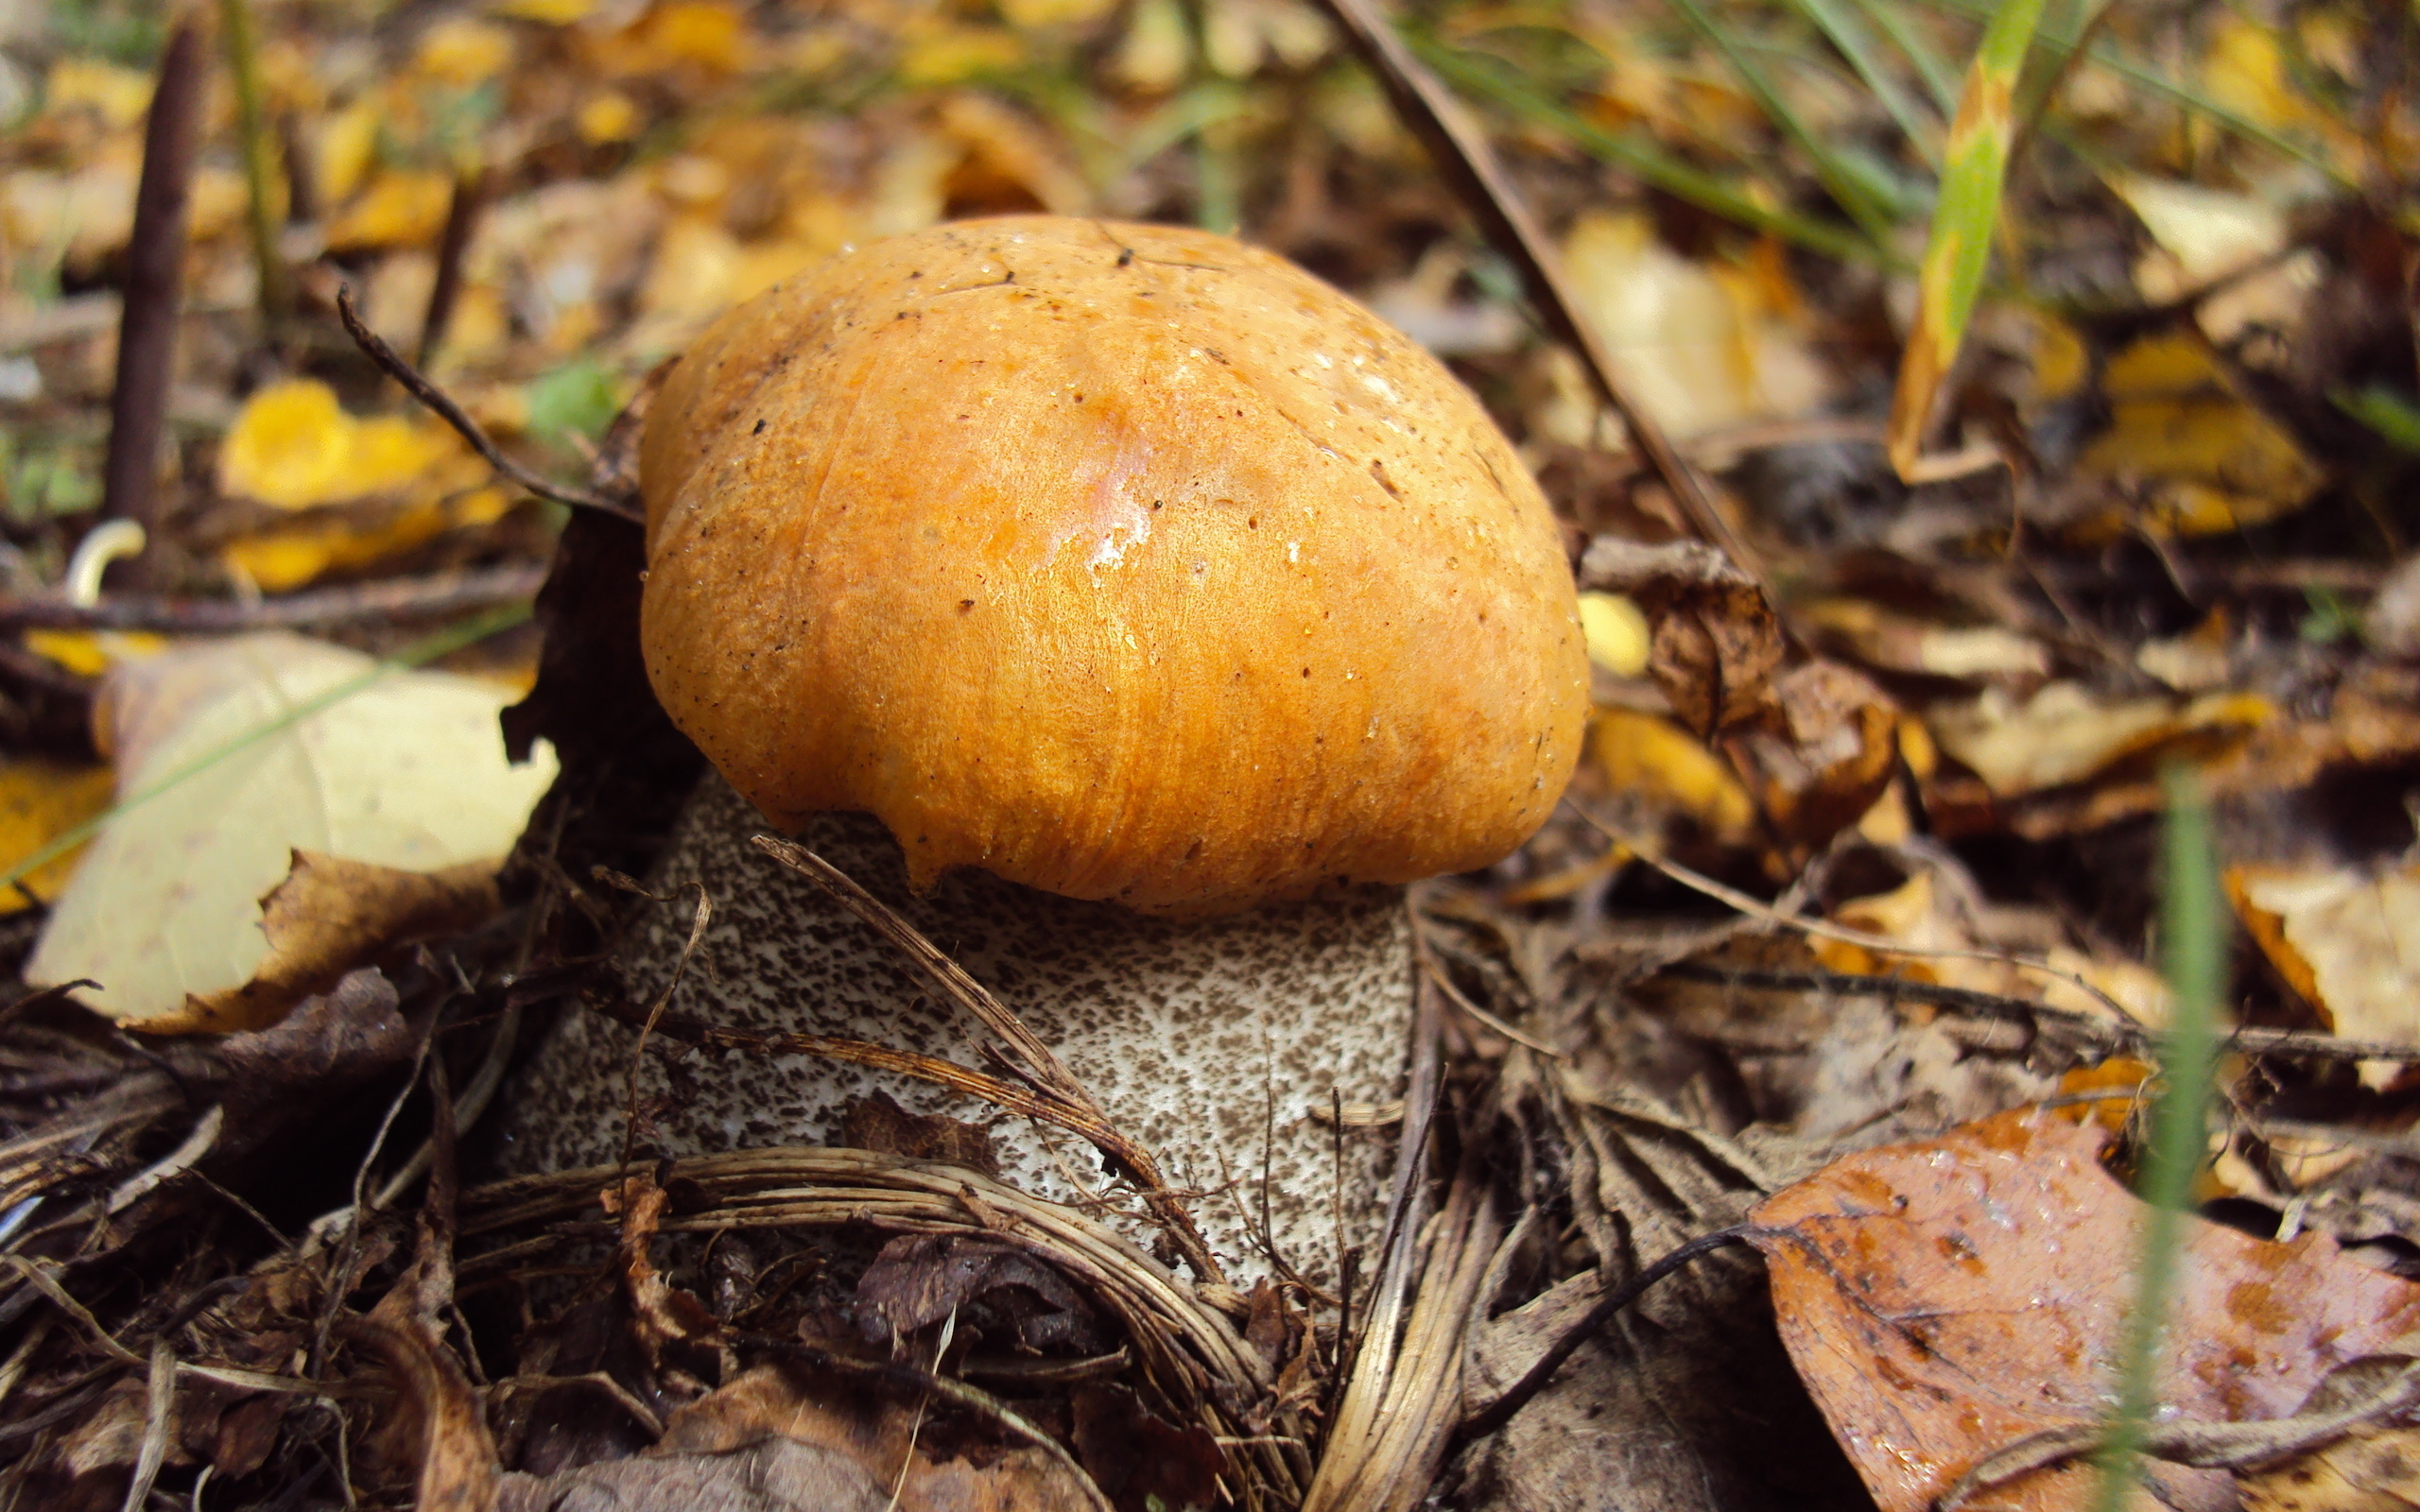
[408, 772]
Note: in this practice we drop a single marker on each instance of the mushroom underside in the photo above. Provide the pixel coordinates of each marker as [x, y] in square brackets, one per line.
[1220, 1046]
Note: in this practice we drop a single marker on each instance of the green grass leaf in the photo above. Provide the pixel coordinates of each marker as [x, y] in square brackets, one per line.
[2193, 944]
[1847, 189]
[1491, 79]
[1958, 251]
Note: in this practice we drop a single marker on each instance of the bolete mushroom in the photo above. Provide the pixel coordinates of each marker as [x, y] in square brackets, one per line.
[1135, 614]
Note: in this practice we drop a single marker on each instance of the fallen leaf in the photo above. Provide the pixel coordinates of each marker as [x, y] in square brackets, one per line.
[403, 208]
[408, 772]
[1946, 1298]
[2372, 1470]
[1140, 1461]
[2193, 455]
[2065, 733]
[776, 1440]
[326, 917]
[1716, 645]
[1656, 763]
[2345, 939]
[1690, 343]
[876, 1122]
[1825, 761]
[40, 800]
[292, 447]
[1897, 642]
[919, 1279]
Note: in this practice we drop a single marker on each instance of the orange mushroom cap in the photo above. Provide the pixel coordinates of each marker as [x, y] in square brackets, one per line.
[1123, 562]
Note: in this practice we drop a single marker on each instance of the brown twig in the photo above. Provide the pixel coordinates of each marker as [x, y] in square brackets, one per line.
[390, 362]
[1468, 164]
[147, 341]
[461, 218]
[1026, 1052]
[440, 593]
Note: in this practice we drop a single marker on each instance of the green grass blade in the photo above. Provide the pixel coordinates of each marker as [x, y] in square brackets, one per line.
[2391, 414]
[1849, 37]
[1958, 251]
[2111, 57]
[1847, 189]
[1490, 79]
[419, 653]
[1941, 79]
[2193, 942]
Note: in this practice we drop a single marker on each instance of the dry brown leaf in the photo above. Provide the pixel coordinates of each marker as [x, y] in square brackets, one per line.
[329, 916]
[1829, 759]
[1943, 1299]
[1715, 645]
[772, 1439]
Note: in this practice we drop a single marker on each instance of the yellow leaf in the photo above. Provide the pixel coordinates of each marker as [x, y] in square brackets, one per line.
[347, 141]
[40, 800]
[289, 447]
[2346, 939]
[90, 653]
[293, 447]
[1031, 14]
[1657, 760]
[463, 52]
[408, 772]
[545, 13]
[947, 54]
[2066, 734]
[399, 209]
[390, 452]
[709, 33]
[1693, 341]
[86, 214]
[606, 118]
[327, 917]
[1617, 633]
[1157, 49]
[288, 556]
[2199, 457]
[121, 97]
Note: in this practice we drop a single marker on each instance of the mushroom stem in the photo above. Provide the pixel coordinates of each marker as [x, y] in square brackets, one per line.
[1217, 1045]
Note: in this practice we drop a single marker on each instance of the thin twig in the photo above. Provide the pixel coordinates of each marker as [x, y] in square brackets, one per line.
[461, 218]
[391, 363]
[155, 258]
[1468, 165]
[431, 597]
[1517, 1396]
[440, 593]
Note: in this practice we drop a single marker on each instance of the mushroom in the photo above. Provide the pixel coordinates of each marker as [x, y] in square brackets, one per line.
[1135, 615]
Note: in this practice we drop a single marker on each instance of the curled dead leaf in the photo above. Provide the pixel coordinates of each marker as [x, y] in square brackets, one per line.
[1714, 643]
